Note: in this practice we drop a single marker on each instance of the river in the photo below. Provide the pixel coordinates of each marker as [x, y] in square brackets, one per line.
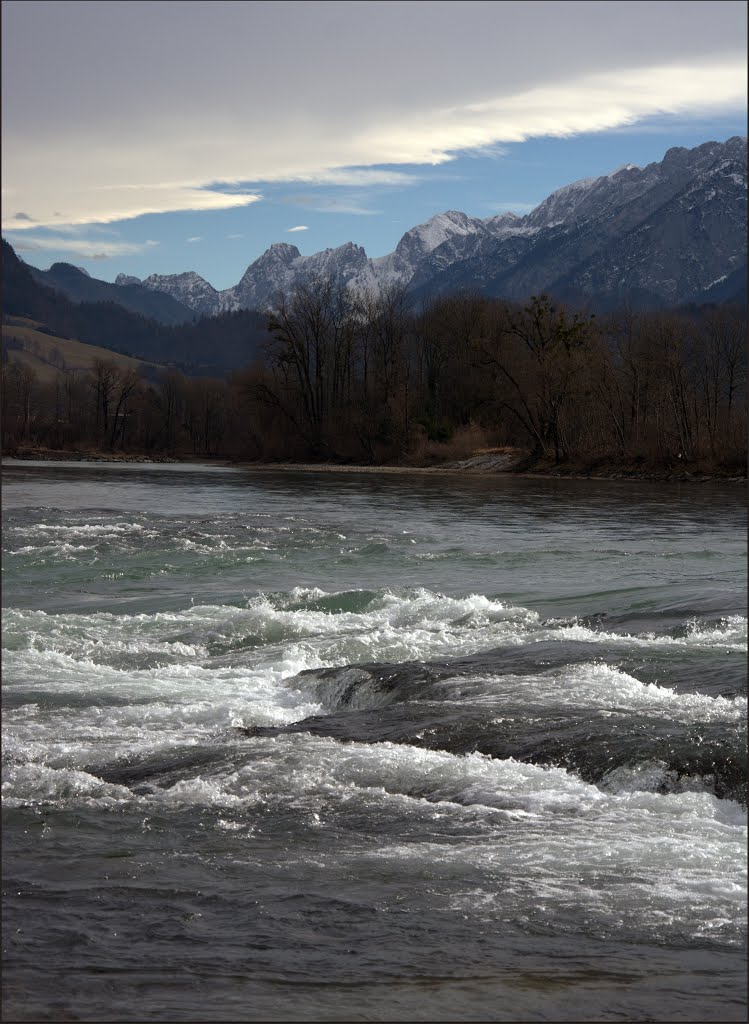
[308, 746]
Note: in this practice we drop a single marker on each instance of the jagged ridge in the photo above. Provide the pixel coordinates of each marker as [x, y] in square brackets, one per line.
[659, 235]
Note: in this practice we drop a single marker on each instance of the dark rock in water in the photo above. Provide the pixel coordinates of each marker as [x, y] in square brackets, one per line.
[418, 710]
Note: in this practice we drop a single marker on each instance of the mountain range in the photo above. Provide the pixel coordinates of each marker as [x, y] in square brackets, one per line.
[670, 233]
[78, 285]
[201, 348]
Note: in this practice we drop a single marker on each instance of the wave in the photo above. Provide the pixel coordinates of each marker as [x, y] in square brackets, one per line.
[383, 624]
[461, 674]
[674, 864]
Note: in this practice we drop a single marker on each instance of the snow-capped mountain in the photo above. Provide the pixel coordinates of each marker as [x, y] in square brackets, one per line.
[444, 239]
[282, 266]
[188, 288]
[658, 235]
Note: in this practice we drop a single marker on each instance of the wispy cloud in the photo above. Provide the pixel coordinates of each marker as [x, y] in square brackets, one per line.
[238, 235]
[84, 248]
[357, 177]
[110, 204]
[195, 238]
[299, 227]
[492, 150]
[591, 103]
[324, 204]
[344, 206]
[664, 126]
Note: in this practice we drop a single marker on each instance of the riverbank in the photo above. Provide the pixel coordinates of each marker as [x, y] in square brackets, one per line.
[516, 462]
[38, 454]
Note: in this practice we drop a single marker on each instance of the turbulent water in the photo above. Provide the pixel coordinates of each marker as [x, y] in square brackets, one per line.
[314, 747]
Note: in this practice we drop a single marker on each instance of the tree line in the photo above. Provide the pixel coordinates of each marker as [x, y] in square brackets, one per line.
[352, 378]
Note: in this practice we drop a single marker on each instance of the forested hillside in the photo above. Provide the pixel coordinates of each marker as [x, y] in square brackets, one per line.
[204, 348]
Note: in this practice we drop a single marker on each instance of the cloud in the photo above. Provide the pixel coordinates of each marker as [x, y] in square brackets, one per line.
[299, 227]
[235, 236]
[492, 150]
[355, 176]
[322, 204]
[369, 93]
[592, 103]
[84, 248]
[111, 203]
[344, 206]
[195, 238]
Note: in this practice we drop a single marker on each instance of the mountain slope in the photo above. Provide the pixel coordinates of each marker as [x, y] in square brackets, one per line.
[47, 355]
[79, 286]
[188, 289]
[210, 347]
[671, 233]
[659, 235]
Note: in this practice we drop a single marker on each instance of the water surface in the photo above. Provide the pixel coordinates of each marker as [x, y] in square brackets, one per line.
[316, 747]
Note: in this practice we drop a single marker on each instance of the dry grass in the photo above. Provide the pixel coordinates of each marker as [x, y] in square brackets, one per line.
[465, 443]
[47, 354]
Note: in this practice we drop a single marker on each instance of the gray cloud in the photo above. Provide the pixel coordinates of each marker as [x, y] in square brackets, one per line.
[333, 90]
[354, 56]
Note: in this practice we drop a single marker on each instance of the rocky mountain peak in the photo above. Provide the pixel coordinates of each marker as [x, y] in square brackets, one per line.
[187, 277]
[189, 288]
[501, 223]
[280, 250]
[677, 154]
[665, 230]
[426, 237]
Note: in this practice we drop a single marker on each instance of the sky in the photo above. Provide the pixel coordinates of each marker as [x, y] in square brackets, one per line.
[145, 137]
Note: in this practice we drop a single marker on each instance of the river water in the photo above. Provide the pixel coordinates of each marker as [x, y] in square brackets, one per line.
[308, 746]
